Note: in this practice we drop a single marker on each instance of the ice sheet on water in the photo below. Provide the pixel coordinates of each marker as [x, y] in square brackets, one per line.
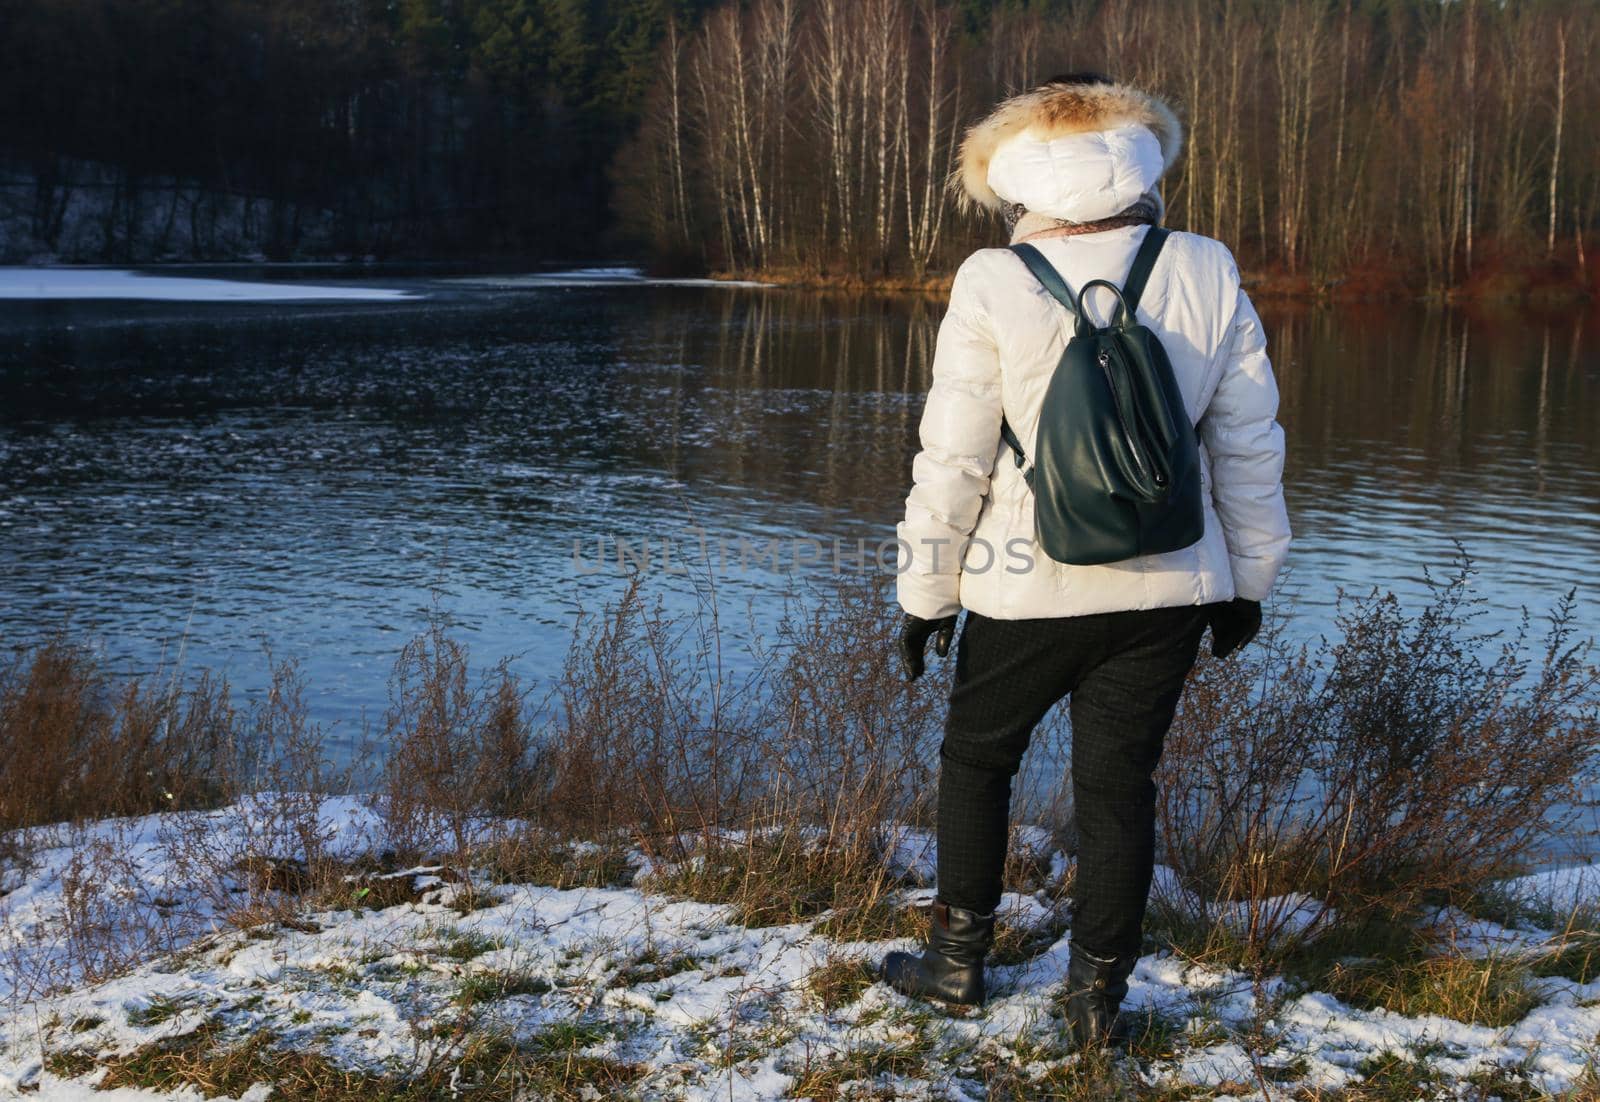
[105, 283]
[593, 277]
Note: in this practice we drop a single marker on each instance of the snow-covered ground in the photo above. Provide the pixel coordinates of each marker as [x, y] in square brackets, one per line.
[107, 283]
[692, 1005]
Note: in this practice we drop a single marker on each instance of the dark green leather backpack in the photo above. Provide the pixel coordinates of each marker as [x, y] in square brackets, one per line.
[1116, 470]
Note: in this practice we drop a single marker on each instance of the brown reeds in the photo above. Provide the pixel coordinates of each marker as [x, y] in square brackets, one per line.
[77, 744]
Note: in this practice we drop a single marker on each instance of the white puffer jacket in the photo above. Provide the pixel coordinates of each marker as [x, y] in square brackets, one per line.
[1075, 153]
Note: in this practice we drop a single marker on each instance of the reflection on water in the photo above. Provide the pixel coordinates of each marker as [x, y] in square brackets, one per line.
[217, 480]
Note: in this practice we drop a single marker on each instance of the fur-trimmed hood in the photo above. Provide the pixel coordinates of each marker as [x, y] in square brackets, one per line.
[1078, 152]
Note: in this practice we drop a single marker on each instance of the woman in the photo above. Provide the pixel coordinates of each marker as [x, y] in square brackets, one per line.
[1074, 166]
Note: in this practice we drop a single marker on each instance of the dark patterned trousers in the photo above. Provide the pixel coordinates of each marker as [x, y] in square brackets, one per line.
[1124, 672]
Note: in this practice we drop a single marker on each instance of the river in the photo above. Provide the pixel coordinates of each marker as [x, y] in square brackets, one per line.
[200, 483]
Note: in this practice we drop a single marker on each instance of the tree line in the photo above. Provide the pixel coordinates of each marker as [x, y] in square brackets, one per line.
[144, 129]
[1326, 138]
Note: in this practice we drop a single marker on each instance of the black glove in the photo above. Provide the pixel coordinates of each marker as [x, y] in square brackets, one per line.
[914, 640]
[1233, 624]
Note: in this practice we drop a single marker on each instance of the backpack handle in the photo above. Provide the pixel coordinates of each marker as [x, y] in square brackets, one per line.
[1121, 319]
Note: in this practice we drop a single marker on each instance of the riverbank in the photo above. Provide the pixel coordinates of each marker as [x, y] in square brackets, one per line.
[1533, 283]
[677, 880]
[208, 952]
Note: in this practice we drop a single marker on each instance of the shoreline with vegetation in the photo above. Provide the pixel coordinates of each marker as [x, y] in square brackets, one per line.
[1529, 283]
[654, 878]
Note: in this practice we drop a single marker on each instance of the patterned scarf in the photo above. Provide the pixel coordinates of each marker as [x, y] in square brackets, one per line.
[1022, 223]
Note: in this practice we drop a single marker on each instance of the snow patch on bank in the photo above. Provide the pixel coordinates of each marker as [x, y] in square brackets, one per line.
[105, 283]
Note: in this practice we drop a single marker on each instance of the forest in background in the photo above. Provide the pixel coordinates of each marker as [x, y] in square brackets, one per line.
[1332, 143]
[210, 129]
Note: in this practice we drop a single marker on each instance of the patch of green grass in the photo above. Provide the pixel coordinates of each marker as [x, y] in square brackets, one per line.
[1209, 943]
[466, 945]
[1521, 910]
[652, 965]
[1390, 1077]
[1049, 1075]
[158, 1010]
[482, 987]
[86, 1023]
[69, 1063]
[338, 972]
[841, 982]
[1575, 957]
[1492, 991]
[1153, 1036]
[1513, 1083]
[1494, 902]
[1389, 964]
[824, 1080]
[565, 1036]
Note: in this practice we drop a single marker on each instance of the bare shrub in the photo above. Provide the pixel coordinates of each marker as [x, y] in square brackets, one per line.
[854, 746]
[842, 750]
[652, 731]
[109, 916]
[460, 756]
[1414, 757]
[75, 744]
[259, 856]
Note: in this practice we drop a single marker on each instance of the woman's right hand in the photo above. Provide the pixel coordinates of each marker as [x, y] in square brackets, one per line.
[914, 635]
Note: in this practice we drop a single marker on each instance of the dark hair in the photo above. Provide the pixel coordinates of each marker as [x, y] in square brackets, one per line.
[1084, 77]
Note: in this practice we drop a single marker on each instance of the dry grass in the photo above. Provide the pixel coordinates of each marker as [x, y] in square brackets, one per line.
[538, 858]
[1492, 991]
[772, 878]
[77, 744]
[1574, 955]
[460, 755]
[869, 1072]
[479, 1063]
[841, 982]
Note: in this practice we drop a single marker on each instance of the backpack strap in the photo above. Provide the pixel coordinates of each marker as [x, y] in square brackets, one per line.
[1009, 435]
[1144, 261]
[1047, 275]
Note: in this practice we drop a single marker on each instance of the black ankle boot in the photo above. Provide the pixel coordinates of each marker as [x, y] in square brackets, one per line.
[951, 968]
[1096, 987]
